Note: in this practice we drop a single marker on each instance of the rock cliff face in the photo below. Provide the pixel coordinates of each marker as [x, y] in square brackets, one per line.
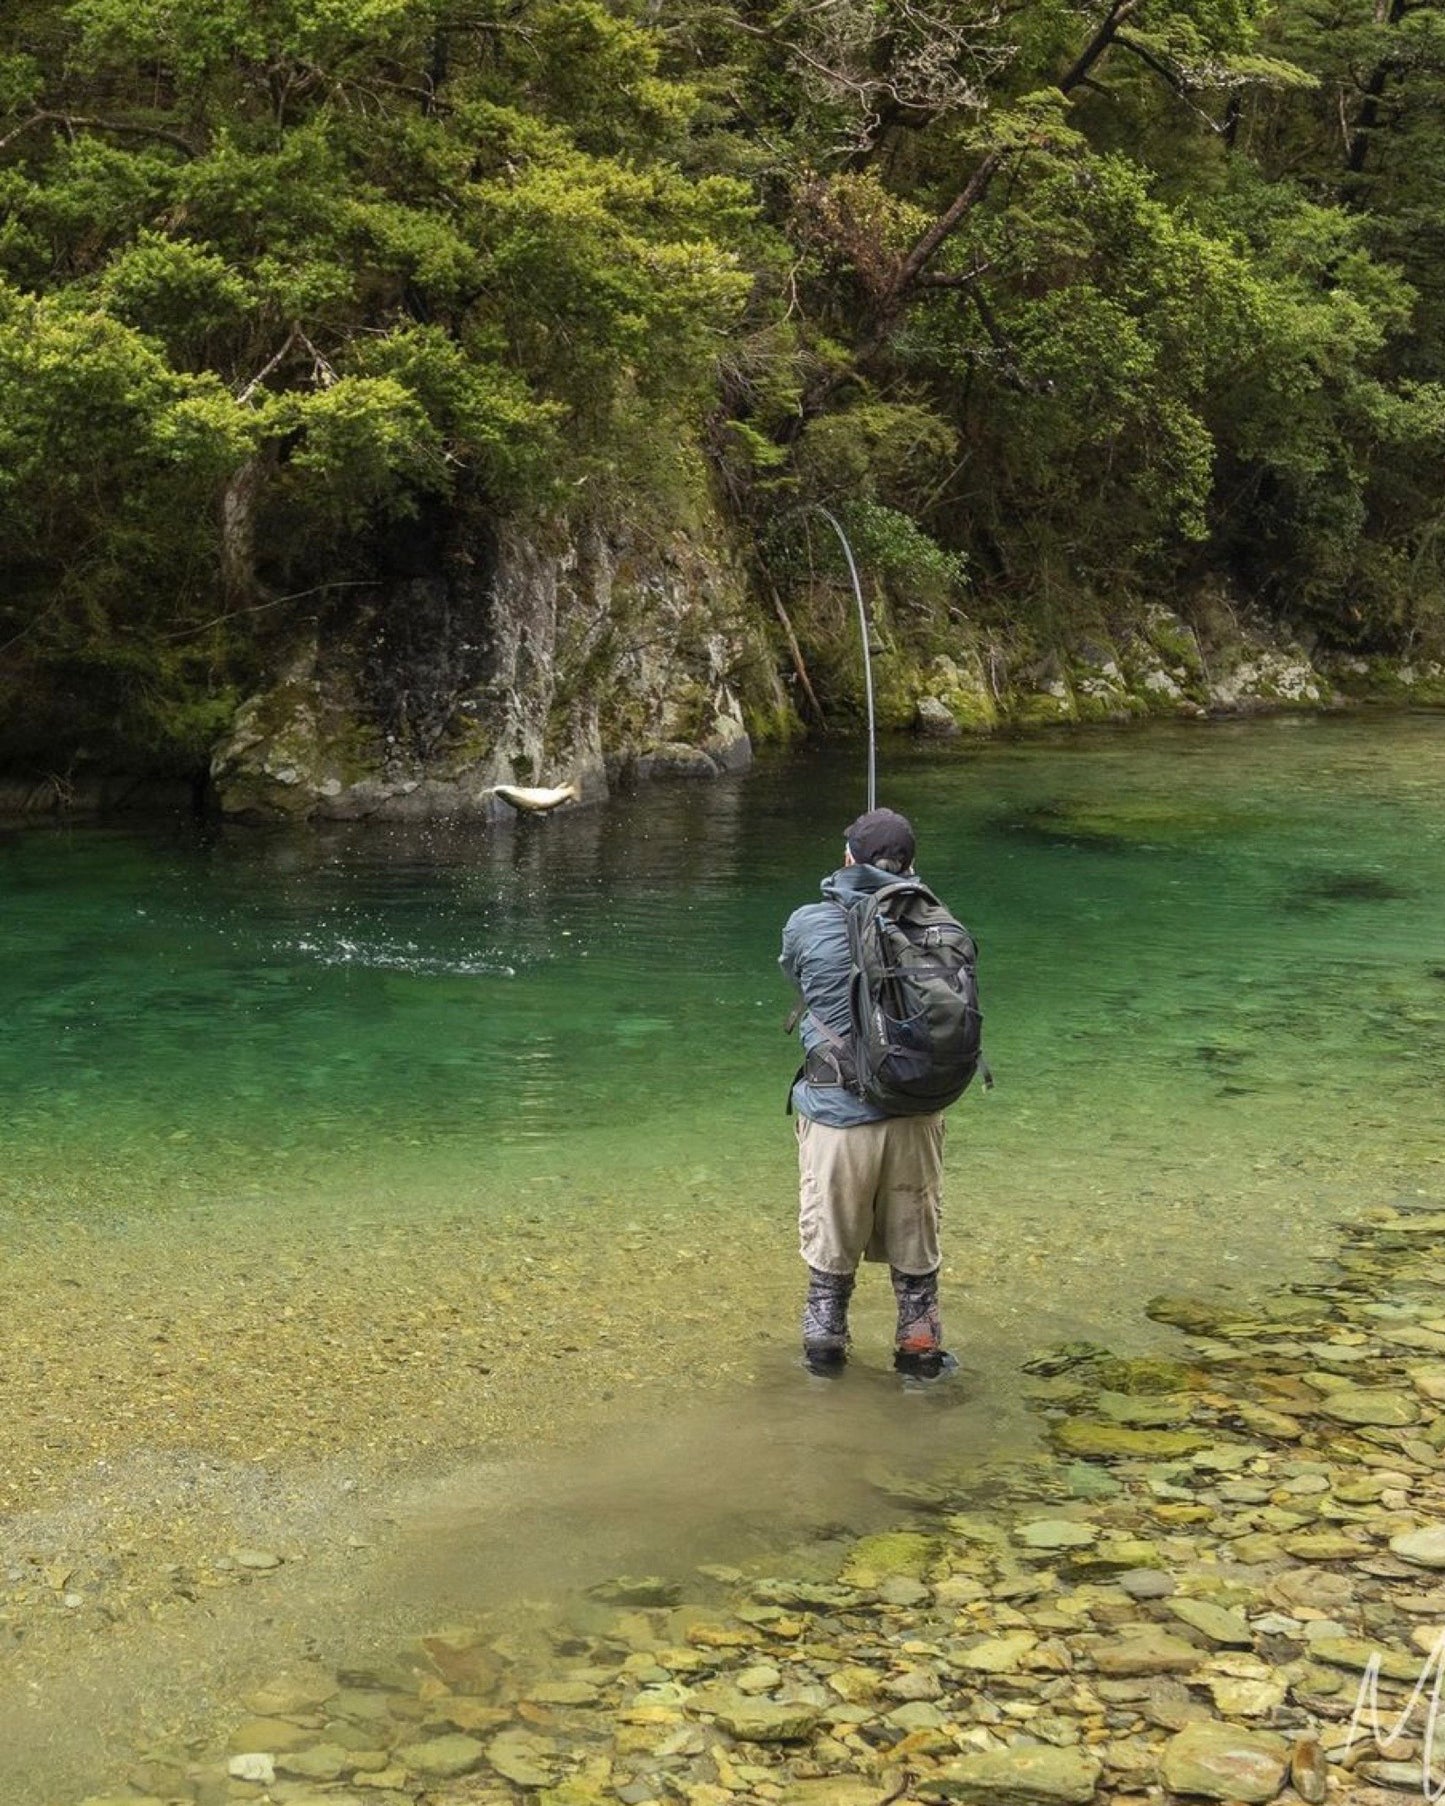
[545, 657]
[593, 660]
[542, 661]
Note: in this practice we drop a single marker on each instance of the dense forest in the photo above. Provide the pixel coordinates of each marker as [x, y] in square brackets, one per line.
[1059, 304]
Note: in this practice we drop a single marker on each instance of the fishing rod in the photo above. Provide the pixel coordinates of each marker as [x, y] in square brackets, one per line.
[836, 525]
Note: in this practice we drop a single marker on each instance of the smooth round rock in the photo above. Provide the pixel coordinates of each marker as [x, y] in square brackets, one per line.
[1147, 1650]
[1425, 1548]
[761, 1721]
[1309, 1772]
[1032, 1774]
[1376, 1406]
[1217, 1761]
[442, 1757]
[1145, 1583]
[253, 1766]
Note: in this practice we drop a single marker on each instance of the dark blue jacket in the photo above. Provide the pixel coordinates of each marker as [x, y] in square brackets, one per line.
[815, 958]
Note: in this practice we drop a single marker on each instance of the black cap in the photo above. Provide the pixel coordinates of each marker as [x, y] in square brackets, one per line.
[882, 837]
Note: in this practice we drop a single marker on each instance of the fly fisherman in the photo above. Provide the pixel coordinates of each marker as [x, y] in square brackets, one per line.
[870, 1158]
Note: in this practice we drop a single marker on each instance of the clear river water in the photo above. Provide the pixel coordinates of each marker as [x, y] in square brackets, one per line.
[447, 1171]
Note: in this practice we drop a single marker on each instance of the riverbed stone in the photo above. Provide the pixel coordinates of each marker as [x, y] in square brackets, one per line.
[254, 1766]
[762, 1677]
[1378, 1406]
[854, 1683]
[1056, 1533]
[300, 1689]
[567, 1693]
[319, 1762]
[1246, 1696]
[837, 1790]
[442, 1758]
[1213, 1621]
[1145, 1650]
[1029, 1775]
[1123, 1554]
[1324, 1545]
[1406, 1776]
[521, 1757]
[997, 1655]
[917, 1715]
[1142, 1411]
[1428, 1378]
[1309, 1772]
[763, 1721]
[1145, 1583]
[913, 1684]
[256, 1561]
[577, 1790]
[1216, 1761]
[1261, 1420]
[1309, 1590]
[272, 1735]
[1356, 1653]
[875, 1559]
[1423, 1548]
[1097, 1441]
[638, 1590]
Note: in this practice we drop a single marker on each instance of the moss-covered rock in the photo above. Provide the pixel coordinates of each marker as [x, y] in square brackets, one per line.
[1146, 1374]
[889, 1555]
[1095, 1441]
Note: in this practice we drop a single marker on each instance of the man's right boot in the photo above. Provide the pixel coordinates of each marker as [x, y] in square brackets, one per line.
[825, 1321]
[918, 1345]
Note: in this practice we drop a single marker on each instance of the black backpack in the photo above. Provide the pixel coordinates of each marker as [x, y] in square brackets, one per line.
[917, 1031]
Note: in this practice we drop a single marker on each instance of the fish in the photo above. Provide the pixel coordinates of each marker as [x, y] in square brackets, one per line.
[534, 802]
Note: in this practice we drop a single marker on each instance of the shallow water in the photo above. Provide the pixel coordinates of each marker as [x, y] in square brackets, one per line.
[441, 1153]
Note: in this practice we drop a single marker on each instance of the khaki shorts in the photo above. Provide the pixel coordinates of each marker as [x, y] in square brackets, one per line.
[871, 1193]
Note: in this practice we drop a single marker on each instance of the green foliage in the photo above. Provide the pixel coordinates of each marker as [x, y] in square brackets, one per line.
[281, 273]
[1077, 300]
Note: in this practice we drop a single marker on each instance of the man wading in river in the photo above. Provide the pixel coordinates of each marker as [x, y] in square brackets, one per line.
[890, 1029]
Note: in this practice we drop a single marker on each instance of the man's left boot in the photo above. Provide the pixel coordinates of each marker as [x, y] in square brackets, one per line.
[918, 1345]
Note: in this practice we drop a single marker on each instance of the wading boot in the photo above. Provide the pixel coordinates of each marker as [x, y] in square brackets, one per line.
[918, 1351]
[825, 1322]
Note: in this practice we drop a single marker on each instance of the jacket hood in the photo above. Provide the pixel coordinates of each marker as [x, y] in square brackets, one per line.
[850, 882]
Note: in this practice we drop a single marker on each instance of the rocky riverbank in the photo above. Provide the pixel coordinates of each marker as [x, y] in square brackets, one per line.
[595, 663]
[1180, 1600]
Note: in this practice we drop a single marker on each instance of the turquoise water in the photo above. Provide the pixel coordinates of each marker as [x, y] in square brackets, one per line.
[1202, 947]
[340, 1163]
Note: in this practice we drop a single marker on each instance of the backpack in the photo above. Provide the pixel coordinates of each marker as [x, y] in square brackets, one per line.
[917, 1032]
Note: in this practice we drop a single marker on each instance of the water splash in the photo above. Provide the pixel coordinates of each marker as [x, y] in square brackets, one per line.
[398, 956]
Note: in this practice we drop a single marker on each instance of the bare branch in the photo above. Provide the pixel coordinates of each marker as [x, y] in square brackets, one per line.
[945, 279]
[122, 127]
[256, 608]
[946, 224]
[266, 369]
[322, 370]
[913, 61]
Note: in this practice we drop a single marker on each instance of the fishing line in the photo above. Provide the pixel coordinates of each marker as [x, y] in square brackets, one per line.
[833, 522]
